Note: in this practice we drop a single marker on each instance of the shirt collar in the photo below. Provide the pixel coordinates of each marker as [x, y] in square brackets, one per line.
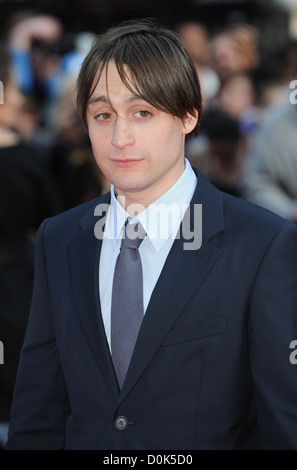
[161, 219]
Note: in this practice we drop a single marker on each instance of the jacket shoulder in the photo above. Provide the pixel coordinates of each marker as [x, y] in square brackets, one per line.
[236, 215]
[251, 217]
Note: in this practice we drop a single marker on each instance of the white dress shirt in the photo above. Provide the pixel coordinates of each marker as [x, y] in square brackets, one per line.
[161, 221]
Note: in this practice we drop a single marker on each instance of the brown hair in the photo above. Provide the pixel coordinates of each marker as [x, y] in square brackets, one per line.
[158, 68]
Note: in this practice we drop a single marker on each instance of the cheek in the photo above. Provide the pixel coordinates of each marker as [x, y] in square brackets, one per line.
[100, 152]
[99, 141]
[169, 141]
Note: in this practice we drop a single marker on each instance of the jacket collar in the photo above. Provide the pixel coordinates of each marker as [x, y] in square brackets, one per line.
[209, 197]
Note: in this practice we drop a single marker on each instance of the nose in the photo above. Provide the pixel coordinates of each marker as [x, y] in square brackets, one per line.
[122, 135]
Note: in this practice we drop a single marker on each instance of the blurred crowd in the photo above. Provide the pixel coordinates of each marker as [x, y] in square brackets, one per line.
[246, 144]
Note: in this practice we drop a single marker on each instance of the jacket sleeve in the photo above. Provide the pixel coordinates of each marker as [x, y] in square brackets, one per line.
[40, 404]
[272, 328]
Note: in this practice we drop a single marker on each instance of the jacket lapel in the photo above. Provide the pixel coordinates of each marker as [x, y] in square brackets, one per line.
[181, 276]
[83, 253]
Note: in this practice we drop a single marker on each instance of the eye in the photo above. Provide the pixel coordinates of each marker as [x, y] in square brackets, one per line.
[143, 113]
[103, 116]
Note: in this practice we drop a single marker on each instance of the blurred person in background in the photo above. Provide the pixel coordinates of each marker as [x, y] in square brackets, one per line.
[232, 55]
[236, 95]
[235, 49]
[71, 159]
[47, 61]
[238, 98]
[34, 42]
[29, 38]
[271, 171]
[27, 196]
[195, 37]
[270, 178]
[221, 150]
[72, 60]
[33, 129]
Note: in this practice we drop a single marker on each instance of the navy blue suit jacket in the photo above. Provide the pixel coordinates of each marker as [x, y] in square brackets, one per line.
[211, 367]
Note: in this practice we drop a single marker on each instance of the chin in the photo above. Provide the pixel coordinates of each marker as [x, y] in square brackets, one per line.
[129, 182]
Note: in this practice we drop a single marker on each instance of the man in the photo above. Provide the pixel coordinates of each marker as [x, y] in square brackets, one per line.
[211, 366]
[270, 176]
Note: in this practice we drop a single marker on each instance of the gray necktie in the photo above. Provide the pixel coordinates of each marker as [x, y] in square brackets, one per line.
[127, 300]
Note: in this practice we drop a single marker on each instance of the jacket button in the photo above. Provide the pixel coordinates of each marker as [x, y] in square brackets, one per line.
[121, 423]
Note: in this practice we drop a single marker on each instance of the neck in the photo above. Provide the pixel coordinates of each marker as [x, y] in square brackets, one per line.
[136, 201]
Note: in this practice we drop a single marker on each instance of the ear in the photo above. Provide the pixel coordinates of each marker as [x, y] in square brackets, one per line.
[190, 122]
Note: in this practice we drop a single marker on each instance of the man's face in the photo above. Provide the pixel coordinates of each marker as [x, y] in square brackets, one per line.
[139, 148]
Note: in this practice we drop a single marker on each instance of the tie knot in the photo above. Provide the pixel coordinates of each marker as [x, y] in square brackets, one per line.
[133, 236]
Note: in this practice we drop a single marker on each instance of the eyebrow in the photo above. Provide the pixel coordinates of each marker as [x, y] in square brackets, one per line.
[104, 99]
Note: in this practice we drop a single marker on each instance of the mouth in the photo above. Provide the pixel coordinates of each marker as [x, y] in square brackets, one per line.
[125, 163]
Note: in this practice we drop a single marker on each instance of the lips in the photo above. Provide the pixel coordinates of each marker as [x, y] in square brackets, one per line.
[125, 163]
